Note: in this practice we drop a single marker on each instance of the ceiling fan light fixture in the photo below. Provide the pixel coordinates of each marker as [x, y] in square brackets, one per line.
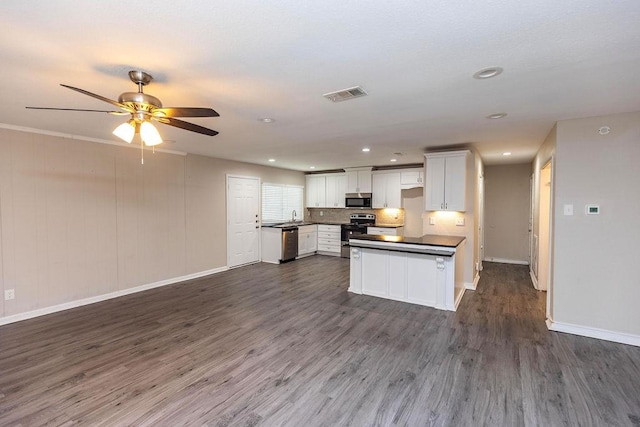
[150, 134]
[126, 131]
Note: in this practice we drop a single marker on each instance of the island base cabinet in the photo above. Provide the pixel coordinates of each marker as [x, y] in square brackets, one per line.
[414, 278]
[424, 272]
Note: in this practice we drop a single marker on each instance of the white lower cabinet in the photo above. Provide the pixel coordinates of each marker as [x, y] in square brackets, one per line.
[329, 239]
[307, 240]
[271, 244]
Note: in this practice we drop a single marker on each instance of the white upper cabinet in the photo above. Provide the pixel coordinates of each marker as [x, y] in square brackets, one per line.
[445, 181]
[359, 180]
[316, 191]
[326, 191]
[336, 187]
[386, 190]
[411, 178]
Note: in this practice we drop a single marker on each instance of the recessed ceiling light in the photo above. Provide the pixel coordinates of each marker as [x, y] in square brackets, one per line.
[366, 150]
[506, 153]
[266, 120]
[272, 160]
[312, 167]
[496, 116]
[487, 73]
[393, 160]
[604, 130]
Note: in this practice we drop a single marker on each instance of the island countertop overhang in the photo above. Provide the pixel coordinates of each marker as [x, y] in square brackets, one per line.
[429, 244]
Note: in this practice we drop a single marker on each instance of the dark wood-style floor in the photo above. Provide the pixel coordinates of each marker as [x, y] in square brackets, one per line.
[287, 345]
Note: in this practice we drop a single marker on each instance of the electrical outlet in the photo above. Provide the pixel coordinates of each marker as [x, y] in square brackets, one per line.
[321, 213]
[459, 222]
[9, 294]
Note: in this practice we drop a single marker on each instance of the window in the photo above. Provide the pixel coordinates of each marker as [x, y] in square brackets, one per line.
[279, 201]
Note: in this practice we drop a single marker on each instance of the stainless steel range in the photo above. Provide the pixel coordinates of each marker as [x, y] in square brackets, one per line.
[358, 225]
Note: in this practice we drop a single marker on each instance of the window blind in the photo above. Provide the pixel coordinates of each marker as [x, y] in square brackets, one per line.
[278, 202]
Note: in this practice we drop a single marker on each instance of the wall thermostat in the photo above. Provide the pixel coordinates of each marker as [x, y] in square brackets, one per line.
[592, 210]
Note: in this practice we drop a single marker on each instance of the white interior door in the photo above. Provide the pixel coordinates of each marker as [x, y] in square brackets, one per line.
[243, 220]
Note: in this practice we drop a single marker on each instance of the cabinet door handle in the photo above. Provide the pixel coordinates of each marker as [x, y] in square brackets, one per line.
[445, 206]
[441, 205]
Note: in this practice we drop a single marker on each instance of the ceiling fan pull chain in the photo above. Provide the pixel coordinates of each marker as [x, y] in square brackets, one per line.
[141, 152]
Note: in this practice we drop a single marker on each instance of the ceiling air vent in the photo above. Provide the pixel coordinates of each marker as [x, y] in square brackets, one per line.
[345, 94]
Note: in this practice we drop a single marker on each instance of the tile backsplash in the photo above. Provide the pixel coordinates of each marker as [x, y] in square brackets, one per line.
[341, 215]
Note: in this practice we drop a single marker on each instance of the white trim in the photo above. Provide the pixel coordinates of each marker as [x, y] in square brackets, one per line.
[601, 334]
[458, 299]
[506, 261]
[92, 300]
[534, 280]
[87, 138]
[473, 286]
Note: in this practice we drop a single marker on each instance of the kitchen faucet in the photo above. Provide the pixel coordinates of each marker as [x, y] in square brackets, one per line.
[293, 215]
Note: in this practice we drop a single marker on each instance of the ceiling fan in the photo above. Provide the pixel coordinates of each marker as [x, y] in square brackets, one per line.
[144, 109]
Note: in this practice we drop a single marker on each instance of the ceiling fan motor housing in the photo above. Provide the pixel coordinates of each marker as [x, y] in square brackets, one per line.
[140, 101]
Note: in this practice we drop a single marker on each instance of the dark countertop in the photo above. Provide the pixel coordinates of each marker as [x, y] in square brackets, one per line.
[298, 224]
[426, 240]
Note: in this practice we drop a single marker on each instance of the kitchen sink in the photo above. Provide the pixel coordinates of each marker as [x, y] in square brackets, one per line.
[293, 224]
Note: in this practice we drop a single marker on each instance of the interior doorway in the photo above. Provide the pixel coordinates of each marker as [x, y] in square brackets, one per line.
[243, 220]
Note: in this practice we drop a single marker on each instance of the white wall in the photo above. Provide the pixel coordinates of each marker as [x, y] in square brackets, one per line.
[596, 281]
[507, 212]
[80, 219]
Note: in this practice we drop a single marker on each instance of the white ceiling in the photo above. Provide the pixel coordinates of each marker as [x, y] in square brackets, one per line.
[253, 59]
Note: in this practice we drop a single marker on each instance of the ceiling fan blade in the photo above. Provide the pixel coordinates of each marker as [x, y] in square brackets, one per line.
[185, 112]
[186, 126]
[101, 98]
[115, 113]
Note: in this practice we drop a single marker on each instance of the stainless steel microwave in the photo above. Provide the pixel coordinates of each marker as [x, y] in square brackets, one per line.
[357, 200]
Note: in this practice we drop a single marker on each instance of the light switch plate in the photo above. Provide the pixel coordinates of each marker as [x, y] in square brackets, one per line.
[432, 221]
[568, 210]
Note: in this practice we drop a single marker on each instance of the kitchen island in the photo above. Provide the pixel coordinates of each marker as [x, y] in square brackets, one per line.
[425, 270]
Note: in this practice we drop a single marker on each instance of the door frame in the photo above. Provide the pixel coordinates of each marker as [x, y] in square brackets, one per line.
[550, 257]
[227, 215]
[550, 228]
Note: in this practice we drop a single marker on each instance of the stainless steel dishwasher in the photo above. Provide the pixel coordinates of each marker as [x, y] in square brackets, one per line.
[289, 243]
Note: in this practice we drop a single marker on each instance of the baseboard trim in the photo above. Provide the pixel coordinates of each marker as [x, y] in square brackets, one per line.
[601, 334]
[534, 280]
[459, 298]
[92, 300]
[506, 261]
[474, 285]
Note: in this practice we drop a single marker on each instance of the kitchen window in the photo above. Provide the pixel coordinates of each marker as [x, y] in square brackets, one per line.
[279, 201]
